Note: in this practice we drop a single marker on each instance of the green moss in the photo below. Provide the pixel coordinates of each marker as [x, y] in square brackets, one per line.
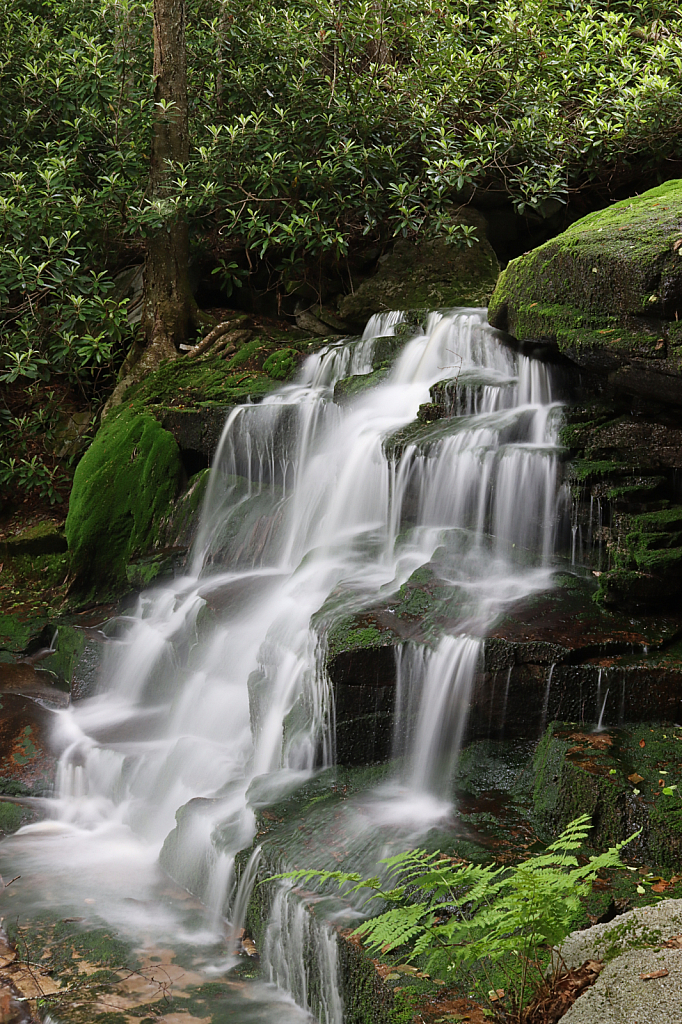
[586, 469]
[345, 636]
[256, 368]
[350, 387]
[577, 772]
[122, 488]
[588, 288]
[281, 364]
[43, 539]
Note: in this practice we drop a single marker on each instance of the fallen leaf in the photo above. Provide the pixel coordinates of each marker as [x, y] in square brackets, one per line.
[642, 743]
[673, 943]
[392, 977]
[659, 887]
[654, 974]
[677, 244]
[635, 778]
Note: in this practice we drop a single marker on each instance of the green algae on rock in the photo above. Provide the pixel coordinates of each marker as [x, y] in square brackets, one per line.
[607, 292]
[122, 489]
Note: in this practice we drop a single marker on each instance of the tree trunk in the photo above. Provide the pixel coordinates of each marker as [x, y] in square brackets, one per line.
[170, 309]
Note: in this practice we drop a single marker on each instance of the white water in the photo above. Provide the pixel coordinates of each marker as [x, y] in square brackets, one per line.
[217, 693]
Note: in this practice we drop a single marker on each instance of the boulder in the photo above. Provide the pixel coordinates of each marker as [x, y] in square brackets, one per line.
[123, 487]
[608, 294]
[634, 944]
[426, 274]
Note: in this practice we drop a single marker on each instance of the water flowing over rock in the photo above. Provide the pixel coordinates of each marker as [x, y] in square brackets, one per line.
[215, 700]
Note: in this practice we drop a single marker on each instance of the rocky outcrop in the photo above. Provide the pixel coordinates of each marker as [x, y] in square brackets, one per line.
[608, 293]
[428, 273]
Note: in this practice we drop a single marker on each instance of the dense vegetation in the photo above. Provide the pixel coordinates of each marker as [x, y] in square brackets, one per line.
[315, 128]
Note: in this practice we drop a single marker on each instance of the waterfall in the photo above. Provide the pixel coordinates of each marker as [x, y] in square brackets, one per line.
[301, 956]
[217, 693]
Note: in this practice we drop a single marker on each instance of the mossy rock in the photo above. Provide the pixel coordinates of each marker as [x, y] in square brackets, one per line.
[648, 561]
[427, 273]
[43, 539]
[607, 291]
[258, 366]
[618, 777]
[282, 363]
[122, 489]
[349, 388]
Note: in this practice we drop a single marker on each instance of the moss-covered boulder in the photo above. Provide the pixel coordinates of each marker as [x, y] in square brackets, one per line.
[122, 490]
[429, 274]
[608, 293]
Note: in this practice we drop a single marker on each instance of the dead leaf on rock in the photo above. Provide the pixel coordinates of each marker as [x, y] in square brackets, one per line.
[675, 942]
[663, 973]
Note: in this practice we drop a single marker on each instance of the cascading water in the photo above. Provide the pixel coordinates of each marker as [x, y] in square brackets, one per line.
[215, 698]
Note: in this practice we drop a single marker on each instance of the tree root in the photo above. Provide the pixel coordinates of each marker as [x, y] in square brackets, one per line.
[210, 339]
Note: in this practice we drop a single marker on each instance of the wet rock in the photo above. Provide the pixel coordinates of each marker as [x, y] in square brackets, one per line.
[556, 656]
[197, 433]
[27, 757]
[428, 273]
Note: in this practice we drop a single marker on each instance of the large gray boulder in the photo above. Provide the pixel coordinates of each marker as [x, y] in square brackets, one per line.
[633, 946]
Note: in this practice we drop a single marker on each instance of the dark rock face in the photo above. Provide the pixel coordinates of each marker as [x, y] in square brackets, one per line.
[427, 274]
[197, 433]
[559, 655]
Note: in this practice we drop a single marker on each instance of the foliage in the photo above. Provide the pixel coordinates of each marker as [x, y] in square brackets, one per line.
[331, 122]
[458, 914]
[313, 127]
[74, 84]
[27, 463]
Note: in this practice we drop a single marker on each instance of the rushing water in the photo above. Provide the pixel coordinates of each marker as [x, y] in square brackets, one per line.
[215, 691]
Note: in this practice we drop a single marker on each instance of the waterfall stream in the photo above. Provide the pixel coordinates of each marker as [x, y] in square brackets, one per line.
[213, 693]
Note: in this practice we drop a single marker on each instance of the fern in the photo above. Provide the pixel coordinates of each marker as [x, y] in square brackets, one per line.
[460, 914]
